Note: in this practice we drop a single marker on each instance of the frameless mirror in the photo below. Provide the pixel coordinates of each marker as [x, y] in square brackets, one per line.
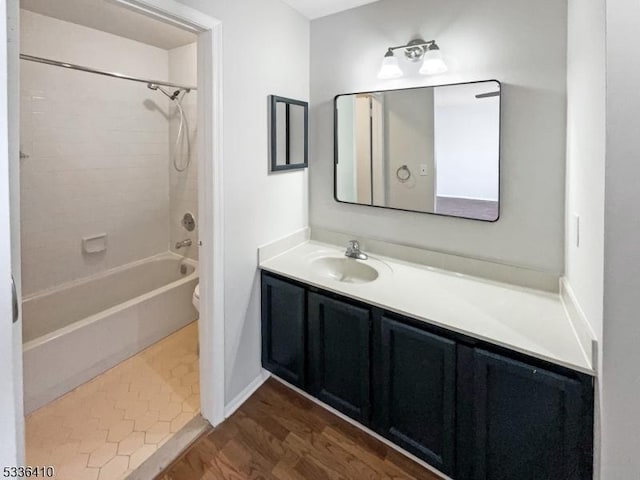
[428, 149]
[289, 133]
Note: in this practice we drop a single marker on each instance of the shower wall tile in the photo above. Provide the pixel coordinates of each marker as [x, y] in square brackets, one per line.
[98, 152]
[183, 186]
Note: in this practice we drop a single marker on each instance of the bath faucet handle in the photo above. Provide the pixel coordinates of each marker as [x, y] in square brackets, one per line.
[184, 243]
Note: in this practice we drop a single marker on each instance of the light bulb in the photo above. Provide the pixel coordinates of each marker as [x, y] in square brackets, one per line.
[433, 63]
[390, 67]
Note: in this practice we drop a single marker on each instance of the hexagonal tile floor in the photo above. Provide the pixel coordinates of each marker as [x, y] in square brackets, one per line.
[107, 427]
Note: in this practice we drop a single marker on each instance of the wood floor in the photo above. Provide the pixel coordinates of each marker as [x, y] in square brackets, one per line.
[280, 435]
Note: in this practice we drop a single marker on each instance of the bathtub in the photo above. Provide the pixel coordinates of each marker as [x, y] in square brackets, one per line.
[81, 329]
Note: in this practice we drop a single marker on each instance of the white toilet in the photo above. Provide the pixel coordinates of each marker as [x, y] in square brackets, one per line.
[196, 297]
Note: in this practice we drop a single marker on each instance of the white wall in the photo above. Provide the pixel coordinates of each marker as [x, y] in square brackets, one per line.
[183, 186]
[259, 207]
[621, 336]
[586, 143]
[519, 42]
[98, 153]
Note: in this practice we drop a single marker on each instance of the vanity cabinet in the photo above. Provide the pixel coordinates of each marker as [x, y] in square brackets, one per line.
[415, 401]
[284, 329]
[526, 422]
[472, 410]
[339, 355]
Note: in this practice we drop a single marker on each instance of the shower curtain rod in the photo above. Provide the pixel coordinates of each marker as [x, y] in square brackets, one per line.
[56, 63]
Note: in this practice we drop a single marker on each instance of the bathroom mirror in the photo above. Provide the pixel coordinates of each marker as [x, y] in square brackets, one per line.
[289, 133]
[428, 149]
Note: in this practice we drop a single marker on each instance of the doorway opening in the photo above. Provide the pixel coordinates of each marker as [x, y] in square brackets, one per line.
[120, 192]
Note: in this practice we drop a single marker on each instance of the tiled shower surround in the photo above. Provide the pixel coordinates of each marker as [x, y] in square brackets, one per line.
[98, 153]
[183, 186]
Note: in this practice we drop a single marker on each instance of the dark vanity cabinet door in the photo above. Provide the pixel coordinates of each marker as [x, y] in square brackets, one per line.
[416, 391]
[527, 423]
[339, 353]
[284, 329]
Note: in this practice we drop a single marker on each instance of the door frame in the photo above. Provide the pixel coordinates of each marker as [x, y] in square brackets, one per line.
[210, 192]
[11, 414]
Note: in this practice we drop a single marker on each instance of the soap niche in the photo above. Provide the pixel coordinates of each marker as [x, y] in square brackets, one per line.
[94, 244]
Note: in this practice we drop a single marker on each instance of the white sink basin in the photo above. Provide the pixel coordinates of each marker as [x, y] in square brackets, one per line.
[343, 269]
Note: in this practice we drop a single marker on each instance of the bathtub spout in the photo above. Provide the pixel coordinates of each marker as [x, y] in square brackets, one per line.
[183, 244]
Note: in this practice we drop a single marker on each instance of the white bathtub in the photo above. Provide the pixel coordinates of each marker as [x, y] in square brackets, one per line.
[79, 330]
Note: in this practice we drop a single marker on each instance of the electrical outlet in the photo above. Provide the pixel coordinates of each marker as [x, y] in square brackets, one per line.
[424, 170]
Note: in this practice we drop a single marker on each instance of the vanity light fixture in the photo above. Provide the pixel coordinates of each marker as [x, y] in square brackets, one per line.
[390, 67]
[416, 50]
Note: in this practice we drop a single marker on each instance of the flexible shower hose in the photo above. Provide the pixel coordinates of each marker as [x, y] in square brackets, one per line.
[179, 138]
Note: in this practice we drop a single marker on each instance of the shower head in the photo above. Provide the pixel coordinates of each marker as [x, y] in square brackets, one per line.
[172, 96]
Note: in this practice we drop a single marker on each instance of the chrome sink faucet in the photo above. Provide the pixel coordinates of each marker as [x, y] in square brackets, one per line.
[183, 244]
[353, 251]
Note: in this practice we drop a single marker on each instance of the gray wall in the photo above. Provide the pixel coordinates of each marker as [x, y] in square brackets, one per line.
[409, 132]
[519, 42]
[621, 349]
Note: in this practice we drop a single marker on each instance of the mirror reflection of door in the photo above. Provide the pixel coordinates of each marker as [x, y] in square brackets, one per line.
[296, 140]
[354, 175]
[387, 131]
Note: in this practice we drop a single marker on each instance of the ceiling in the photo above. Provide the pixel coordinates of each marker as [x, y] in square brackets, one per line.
[320, 8]
[108, 17]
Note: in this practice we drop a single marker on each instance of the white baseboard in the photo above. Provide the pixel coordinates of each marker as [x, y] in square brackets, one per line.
[244, 395]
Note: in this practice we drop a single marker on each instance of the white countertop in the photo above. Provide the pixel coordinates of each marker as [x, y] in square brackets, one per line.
[525, 320]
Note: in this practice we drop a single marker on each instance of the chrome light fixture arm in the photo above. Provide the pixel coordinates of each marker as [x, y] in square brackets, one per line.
[415, 49]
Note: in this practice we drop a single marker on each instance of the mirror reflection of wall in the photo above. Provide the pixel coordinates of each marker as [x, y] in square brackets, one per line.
[282, 144]
[467, 150]
[432, 149]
